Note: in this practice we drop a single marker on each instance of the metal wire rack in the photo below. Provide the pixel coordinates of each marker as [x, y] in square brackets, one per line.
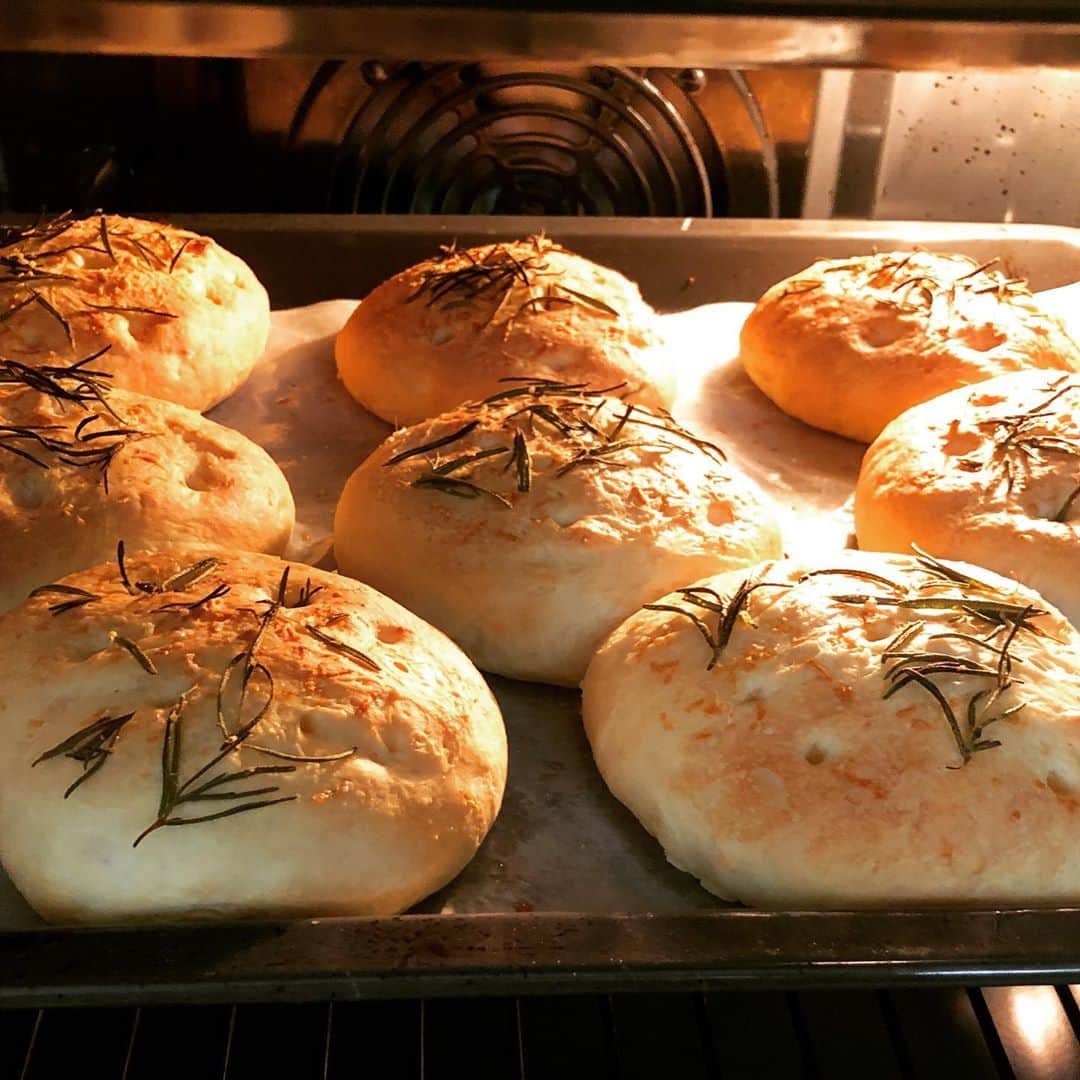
[1017, 1033]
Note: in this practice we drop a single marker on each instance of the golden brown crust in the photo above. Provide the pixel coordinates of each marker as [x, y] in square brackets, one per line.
[183, 319]
[989, 474]
[847, 345]
[620, 507]
[785, 777]
[75, 478]
[448, 330]
[415, 741]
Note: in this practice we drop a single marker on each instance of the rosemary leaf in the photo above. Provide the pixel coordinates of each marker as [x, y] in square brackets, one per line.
[342, 647]
[309, 759]
[522, 461]
[78, 597]
[434, 445]
[133, 648]
[942, 701]
[104, 231]
[460, 488]
[123, 309]
[243, 808]
[463, 462]
[43, 303]
[179, 251]
[193, 605]
[90, 746]
[184, 579]
[862, 575]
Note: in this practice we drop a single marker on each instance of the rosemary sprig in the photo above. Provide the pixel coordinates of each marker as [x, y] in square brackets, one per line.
[148, 255]
[178, 582]
[204, 785]
[21, 272]
[1021, 438]
[907, 663]
[72, 383]
[943, 572]
[799, 286]
[90, 746]
[42, 231]
[177, 795]
[604, 454]
[728, 611]
[921, 667]
[78, 597]
[923, 289]
[73, 451]
[584, 418]
[491, 276]
[306, 594]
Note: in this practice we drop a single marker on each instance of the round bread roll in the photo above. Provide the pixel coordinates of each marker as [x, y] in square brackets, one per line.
[80, 467]
[880, 730]
[530, 525]
[847, 345]
[325, 751]
[449, 330]
[987, 473]
[184, 319]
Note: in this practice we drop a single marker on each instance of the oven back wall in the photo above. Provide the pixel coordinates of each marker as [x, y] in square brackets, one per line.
[396, 136]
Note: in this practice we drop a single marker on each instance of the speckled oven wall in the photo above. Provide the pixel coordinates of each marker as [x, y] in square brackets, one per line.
[961, 147]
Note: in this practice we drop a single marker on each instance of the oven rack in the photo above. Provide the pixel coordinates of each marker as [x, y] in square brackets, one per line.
[1003, 1033]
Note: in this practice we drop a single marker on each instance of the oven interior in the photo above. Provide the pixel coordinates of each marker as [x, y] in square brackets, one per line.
[922, 112]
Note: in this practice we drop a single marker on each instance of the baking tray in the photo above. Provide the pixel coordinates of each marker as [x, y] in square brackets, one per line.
[568, 892]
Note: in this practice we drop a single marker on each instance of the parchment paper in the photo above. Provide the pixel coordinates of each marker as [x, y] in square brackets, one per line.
[296, 408]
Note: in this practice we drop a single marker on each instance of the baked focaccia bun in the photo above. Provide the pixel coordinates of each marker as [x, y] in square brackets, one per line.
[184, 319]
[878, 730]
[530, 525]
[81, 465]
[200, 734]
[989, 474]
[849, 344]
[448, 330]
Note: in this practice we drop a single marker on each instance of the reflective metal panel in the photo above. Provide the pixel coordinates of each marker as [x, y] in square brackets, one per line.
[903, 35]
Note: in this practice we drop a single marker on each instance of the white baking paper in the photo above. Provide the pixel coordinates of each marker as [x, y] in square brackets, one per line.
[295, 406]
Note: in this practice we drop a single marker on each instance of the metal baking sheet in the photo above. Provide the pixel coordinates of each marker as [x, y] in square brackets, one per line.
[568, 891]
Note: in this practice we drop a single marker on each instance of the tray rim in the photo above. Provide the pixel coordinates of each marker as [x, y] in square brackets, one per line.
[653, 227]
[415, 956]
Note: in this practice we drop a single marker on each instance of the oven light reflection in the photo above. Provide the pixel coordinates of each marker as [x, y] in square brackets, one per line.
[1037, 1014]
